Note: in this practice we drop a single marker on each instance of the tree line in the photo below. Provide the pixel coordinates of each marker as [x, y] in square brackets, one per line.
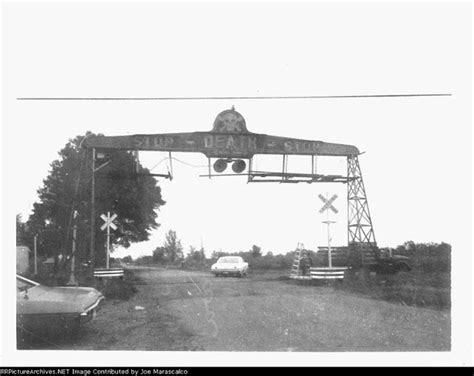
[122, 186]
[427, 257]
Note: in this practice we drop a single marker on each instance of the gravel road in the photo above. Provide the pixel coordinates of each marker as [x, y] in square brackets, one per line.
[183, 310]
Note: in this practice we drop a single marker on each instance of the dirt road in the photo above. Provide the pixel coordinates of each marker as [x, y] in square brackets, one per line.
[183, 310]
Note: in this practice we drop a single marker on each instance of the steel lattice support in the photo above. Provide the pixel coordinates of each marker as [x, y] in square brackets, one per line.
[361, 236]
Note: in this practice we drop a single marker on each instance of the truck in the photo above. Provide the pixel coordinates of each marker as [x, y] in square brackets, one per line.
[356, 256]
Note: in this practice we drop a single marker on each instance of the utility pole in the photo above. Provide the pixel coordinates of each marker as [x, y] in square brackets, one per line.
[35, 254]
[94, 170]
[72, 277]
[92, 240]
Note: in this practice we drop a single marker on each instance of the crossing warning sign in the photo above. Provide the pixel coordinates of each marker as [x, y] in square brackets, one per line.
[328, 203]
[108, 221]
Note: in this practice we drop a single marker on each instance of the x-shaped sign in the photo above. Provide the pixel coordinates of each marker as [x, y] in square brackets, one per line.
[108, 221]
[328, 203]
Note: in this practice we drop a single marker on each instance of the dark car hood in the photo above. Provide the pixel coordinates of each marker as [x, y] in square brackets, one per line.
[51, 300]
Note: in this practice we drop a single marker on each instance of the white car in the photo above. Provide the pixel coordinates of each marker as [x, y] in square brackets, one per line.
[230, 265]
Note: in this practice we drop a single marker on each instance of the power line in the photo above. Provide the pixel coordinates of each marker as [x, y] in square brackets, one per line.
[177, 160]
[232, 98]
[188, 164]
[164, 159]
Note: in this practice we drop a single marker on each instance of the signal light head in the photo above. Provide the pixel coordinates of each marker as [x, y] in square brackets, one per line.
[238, 166]
[220, 165]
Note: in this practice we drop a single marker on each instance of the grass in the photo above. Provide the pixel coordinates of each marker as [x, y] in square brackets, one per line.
[415, 288]
[423, 286]
[118, 288]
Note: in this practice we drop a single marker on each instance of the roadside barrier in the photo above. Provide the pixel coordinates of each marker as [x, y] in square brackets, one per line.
[328, 273]
[106, 273]
[323, 273]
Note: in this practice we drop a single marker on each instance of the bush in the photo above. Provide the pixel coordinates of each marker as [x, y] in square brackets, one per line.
[428, 284]
[195, 264]
[144, 260]
[427, 257]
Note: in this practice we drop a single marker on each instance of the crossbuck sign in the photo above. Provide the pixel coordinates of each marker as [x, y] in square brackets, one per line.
[328, 203]
[108, 221]
[107, 225]
[326, 207]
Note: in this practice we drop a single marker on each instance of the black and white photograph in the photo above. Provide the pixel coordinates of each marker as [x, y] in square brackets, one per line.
[236, 183]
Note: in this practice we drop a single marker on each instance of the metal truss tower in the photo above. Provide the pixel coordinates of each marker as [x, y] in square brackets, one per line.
[361, 236]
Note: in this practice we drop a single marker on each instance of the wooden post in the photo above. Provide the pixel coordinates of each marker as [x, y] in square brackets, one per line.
[108, 241]
[329, 236]
[72, 277]
[92, 240]
[35, 255]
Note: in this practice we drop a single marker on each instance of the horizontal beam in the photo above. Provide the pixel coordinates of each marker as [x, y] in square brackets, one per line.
[216, 144]
[285, 177]
[296, 175]
[296, 178]
[327, 277]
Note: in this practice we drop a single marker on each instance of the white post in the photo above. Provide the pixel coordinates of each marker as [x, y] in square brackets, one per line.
[108, 240]
[327, 206]
[171, 164]
[35, 255]
[329, 235]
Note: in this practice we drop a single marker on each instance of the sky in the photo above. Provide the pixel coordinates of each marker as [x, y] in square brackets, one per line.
[417, 160]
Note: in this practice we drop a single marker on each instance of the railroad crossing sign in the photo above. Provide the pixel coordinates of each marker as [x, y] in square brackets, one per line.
[107, 225]
[328, 203]
[108, 221]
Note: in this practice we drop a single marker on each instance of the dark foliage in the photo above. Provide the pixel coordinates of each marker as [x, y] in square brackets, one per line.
[22, 234]
[118, 189]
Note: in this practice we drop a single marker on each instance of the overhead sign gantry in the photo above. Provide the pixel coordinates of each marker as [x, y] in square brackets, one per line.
[230, 142]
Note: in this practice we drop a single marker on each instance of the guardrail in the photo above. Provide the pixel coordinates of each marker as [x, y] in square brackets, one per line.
[327, 273]
[323, 273]
[107, 273]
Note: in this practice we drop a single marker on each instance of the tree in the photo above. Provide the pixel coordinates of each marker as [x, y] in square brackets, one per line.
[410, 246]
[202, 254]
[159, 255]
[196, 255]
[172, 246]
[22, 233]
[216, 254]
[119, 189]
[256, 251]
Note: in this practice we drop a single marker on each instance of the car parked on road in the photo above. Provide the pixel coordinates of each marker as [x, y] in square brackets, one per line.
[230, 265]
[46, 309]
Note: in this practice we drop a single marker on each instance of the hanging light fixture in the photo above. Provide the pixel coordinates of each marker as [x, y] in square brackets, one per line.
[220, 165]
[238, 166]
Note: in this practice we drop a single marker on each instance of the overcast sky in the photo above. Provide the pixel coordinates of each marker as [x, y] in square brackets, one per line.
[417, 161]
